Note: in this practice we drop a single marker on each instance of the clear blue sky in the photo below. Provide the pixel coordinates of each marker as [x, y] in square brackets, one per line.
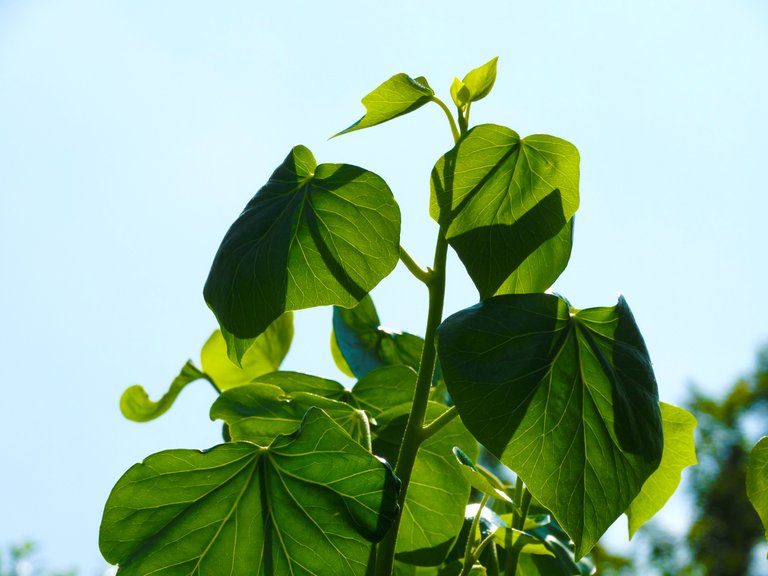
[133, 133]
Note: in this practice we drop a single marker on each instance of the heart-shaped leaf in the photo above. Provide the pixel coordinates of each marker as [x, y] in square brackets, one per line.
[399, 95]
[312, 236]
[566, 398]
[310, 503]
[136, 405]
[505, 203]
[679, 453]
[757, 480]
[365, 345]
[263, 354]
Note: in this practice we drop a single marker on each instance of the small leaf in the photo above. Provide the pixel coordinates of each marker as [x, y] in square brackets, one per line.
[566, 398]
[476, 478]
[136, 405]
[338, 357]
[459, 93]
[384, 388]
[479, 81]
[679, 452]
[505, 205]
[438, 492]
[312, 236]
[307, 503]
[399, 95]
[259, 413]
[263, 354]
[757, 480]
[524, 543]
[292, 382]
[365, 345]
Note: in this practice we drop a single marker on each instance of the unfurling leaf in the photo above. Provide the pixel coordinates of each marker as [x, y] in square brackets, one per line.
[136, 405]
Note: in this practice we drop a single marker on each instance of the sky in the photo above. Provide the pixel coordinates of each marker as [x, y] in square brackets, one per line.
[133, 133]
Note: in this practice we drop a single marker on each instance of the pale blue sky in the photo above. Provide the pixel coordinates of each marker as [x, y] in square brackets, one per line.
[133, 133]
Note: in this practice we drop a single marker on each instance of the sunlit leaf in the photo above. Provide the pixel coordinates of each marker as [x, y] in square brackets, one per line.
[259, 413]
[504, 203]
[459, 93]
[477, 479]
[566, 398]
[479, 81]
[365, 345]
[679, 453]
[757, 480]
[399, 95]
[262, 355]
[384, 388]
[313, 235]
[136, 405]
[308, 504]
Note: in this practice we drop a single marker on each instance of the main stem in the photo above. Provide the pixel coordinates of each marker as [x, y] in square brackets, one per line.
[414, 430]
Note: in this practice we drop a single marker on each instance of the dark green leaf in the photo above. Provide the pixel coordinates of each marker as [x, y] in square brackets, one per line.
[505, 204]
[259, 413]
[437, 493]
[757, 480]
[562, 561]
[397, 96]
[313, 235]
[566, 398]
[479, 81]
[365, 345]
[262, 355]
[679, 452]
[136, 405]
[297, 507]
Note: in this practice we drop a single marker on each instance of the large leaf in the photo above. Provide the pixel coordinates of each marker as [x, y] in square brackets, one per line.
[506, 202]
[679, 452]
[757, 480]
[259, 413]
[264, 354]
[394, 97]
[308, 504]
[313, 235]
[365, 345]
[136, 405]
[566, 398]
[438, 491]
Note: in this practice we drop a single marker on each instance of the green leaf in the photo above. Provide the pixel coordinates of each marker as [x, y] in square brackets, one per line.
[757, 480]
[459, 93]
[566, 398]
[136, 405]
[525, 543]
[399, 95]
[297, 507]
[438, 492]
[297, 382]
[506, 205]
[313, 235]
[679, 452]
[479, 81]
[263, 354]
[561, 562]
[365, 345]
[384, 388]
[477, 479]
[259, 413]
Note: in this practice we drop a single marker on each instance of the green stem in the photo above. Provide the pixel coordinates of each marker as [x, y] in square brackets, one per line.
[469, 556]
[438, 423]
[454, 129]
[522, 503]
[212, 383]
[415, 269]
[413, 435]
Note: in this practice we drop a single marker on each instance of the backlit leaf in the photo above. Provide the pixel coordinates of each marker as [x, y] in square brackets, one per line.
[399, 95]
[136, 405]
[505, 203]
[679, 452]
[479, 81]
[312, 236]
[310, 503]
[263, 354]
[757, 480]
[566, 398]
